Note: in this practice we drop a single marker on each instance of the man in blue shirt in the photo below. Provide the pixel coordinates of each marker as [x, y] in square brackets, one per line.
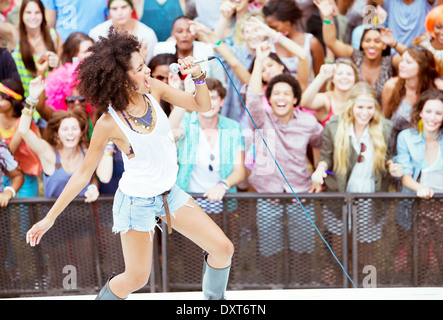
[69, 16]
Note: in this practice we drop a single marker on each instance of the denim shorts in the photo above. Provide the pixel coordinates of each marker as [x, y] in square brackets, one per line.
[139, 213]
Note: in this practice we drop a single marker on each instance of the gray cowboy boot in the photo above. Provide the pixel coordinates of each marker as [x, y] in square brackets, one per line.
[214, 281]
[106, 293]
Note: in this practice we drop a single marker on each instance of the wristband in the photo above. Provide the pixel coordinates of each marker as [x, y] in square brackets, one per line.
[200, 77]
[14, 193]
[27, 111]
[31, 101]
[279, 38]
[225, 184]
[200, 82]
[325, 21]
[219, 42]
[110, 147]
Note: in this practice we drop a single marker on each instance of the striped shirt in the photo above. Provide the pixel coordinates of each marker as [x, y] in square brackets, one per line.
[25, 74]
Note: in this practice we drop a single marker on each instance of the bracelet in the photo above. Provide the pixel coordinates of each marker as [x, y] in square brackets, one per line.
[28, 111]
[219, 42]
[110, 147]
[279, 38]
[225, 184]
[393, 47]
[325, 21]
[14, 193]
[31, 101]
[200, 77]
[200, 82]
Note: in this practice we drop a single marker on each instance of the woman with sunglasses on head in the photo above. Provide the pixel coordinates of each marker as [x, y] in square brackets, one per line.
[354, 158]
[355, 145]
[116, 80]
[60, 92]
[373, 60]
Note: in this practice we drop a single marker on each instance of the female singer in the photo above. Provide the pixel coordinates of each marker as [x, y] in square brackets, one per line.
[115, 79]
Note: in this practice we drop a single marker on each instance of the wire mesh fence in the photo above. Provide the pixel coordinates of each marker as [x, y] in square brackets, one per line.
[394, 240]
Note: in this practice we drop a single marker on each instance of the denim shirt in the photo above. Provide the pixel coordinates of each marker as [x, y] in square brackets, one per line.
[411, 148]
[231, 142]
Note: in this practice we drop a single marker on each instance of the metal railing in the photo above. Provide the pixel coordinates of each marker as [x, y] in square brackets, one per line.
[383, 239]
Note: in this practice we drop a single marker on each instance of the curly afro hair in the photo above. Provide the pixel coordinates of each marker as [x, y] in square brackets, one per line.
[103, 75]
[296, 89]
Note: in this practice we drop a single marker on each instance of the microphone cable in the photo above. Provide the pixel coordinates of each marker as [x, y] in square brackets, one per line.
[284, 177]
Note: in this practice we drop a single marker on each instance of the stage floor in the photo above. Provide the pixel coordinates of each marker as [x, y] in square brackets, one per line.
[434, 293]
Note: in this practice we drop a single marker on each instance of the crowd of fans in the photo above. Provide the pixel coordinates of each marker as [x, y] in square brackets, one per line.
[347, 94]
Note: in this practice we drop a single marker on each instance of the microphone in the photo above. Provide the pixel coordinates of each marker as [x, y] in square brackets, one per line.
[174, 67]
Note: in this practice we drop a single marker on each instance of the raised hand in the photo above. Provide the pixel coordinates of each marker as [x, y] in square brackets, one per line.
[327, 8]
[36, 87]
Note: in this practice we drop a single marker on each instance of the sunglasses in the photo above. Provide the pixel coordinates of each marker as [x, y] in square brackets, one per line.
[361, 157]
[72, 99]
[212, 158]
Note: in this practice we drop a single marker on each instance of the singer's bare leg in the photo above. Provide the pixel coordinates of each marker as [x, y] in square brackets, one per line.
[137, 253]
[192, 222]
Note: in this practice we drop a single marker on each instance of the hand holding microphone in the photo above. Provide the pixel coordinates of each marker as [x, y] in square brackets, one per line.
[188, 65]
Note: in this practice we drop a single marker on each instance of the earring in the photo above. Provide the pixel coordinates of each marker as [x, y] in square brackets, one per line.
[420, 126]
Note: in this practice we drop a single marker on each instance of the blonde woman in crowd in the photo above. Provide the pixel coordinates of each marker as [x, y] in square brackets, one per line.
[355, 151]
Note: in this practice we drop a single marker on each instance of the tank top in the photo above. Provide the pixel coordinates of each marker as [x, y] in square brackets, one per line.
[54, 184]
[292, 62]
[432, 176]
[153, 170]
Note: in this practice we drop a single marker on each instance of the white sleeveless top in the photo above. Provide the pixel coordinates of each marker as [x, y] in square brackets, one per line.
[154, 168]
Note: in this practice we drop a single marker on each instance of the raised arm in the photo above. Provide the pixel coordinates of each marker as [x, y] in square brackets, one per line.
[200, 101]
[221, 48]
[312, 98]
[339, 48]
[41, 147]
[279, 38]
[256, 82]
